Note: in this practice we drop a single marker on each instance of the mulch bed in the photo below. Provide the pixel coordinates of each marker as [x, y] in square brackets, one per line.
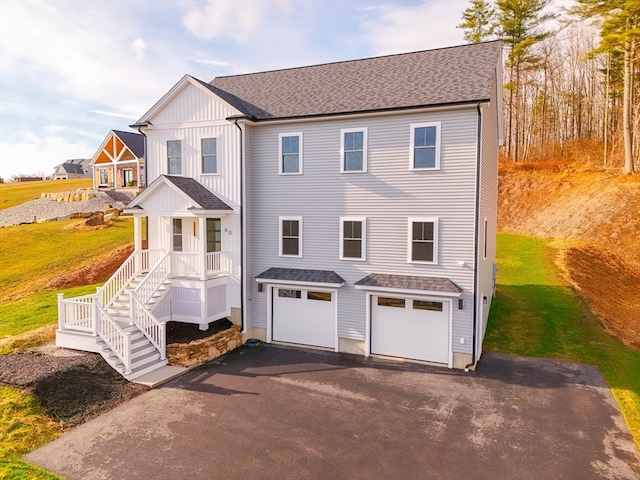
[178, 332]
[74, 386]
[72, 389]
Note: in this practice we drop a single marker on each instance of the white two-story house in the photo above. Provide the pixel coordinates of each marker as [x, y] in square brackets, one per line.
[348, 206]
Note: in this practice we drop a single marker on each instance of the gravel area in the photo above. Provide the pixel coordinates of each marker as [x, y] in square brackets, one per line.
[44, 209]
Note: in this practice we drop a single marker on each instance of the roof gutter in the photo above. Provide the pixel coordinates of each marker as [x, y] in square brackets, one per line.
[476, 260]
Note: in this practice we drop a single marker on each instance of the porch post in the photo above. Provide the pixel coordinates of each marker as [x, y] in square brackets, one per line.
[202, 226]
[137, 241]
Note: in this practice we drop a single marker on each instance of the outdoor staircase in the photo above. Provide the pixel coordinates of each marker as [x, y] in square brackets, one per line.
[144, 356]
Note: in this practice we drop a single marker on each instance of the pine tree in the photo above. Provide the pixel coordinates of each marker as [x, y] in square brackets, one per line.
[520, 25]
[478, 21]
[619, 32]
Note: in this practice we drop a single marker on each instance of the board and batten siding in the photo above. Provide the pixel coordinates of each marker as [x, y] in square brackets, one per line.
[387, 195]
[191, 115]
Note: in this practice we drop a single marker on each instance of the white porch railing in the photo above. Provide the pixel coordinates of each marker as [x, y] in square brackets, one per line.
[150, 326]
[77, 313]
[186, 264]
[217, 262]
[115, 337]
[139, 261]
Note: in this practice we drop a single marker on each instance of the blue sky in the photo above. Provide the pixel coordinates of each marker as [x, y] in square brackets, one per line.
[70, 71]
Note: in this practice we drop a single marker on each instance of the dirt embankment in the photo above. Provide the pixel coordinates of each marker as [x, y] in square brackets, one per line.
[597, 217]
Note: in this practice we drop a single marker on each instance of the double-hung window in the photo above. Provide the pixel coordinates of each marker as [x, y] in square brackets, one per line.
[174, 157]
[290, 153]
[291, 236]
[177, 234]
[423, 240]
[425, 146]
[214, 235]
[352, 238]
[209, 153]
[353, 150]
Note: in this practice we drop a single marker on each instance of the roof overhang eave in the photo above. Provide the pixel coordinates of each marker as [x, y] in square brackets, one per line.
[405, 291]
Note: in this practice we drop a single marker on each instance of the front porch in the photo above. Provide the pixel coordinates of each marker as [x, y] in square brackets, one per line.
[125, 320]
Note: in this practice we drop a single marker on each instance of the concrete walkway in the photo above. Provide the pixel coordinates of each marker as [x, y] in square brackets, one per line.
[280, 413]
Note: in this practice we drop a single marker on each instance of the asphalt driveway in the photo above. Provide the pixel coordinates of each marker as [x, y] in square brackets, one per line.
[280, 413]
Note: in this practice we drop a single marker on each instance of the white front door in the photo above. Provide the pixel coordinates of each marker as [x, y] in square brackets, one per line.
[304, 316]
[410, 328]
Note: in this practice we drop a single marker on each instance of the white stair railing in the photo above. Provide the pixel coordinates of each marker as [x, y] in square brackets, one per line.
[153, 280]
[118, 281]
[115, 337]
[150, 326]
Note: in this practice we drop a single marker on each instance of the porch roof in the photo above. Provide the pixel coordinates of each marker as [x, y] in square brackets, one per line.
[188, 193]
[409, 283]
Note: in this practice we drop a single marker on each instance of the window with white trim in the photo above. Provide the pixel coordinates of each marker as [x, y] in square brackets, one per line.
[177, 234]
[209, 152]
[352, 238]
[214, 235]
[174, 157]
[425, 146]
[291, 236]
[290, 153]
[353, 150]
[423, 240]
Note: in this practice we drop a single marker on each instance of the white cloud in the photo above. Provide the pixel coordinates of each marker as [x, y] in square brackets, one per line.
[404, 28]
[138, 46]
[206, 61]
[132, 116]
[32, 153]
[236, 20]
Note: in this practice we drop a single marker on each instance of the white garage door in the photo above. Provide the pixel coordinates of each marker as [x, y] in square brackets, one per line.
[304, 316]
[410, 328]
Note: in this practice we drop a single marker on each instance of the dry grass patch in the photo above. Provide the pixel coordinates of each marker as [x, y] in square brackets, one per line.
[12, 194]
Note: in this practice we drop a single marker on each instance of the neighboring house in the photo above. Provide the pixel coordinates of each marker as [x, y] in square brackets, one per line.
[349, 206]
[74, 168]
[119, 162]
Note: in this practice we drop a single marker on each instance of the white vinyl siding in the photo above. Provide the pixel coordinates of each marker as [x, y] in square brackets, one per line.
[387, 196]
[290, 153]
[425, 146]
[353, 150]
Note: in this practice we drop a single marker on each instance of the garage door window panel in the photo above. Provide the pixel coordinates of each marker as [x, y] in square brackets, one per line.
[427, 305]
[391, 302]
[321, 296]
[287, 293]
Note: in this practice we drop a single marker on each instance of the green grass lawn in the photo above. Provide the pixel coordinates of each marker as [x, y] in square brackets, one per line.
[31, 254]
[23, 427]
[536, 314]
[15, 193]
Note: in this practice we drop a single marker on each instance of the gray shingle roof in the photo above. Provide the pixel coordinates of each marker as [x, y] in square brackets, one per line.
[198, 193]
[431, 77]
[300, 275]
[134, 141]
[408, 282]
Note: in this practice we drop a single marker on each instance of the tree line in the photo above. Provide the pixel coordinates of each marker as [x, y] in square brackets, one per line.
[570, 82]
